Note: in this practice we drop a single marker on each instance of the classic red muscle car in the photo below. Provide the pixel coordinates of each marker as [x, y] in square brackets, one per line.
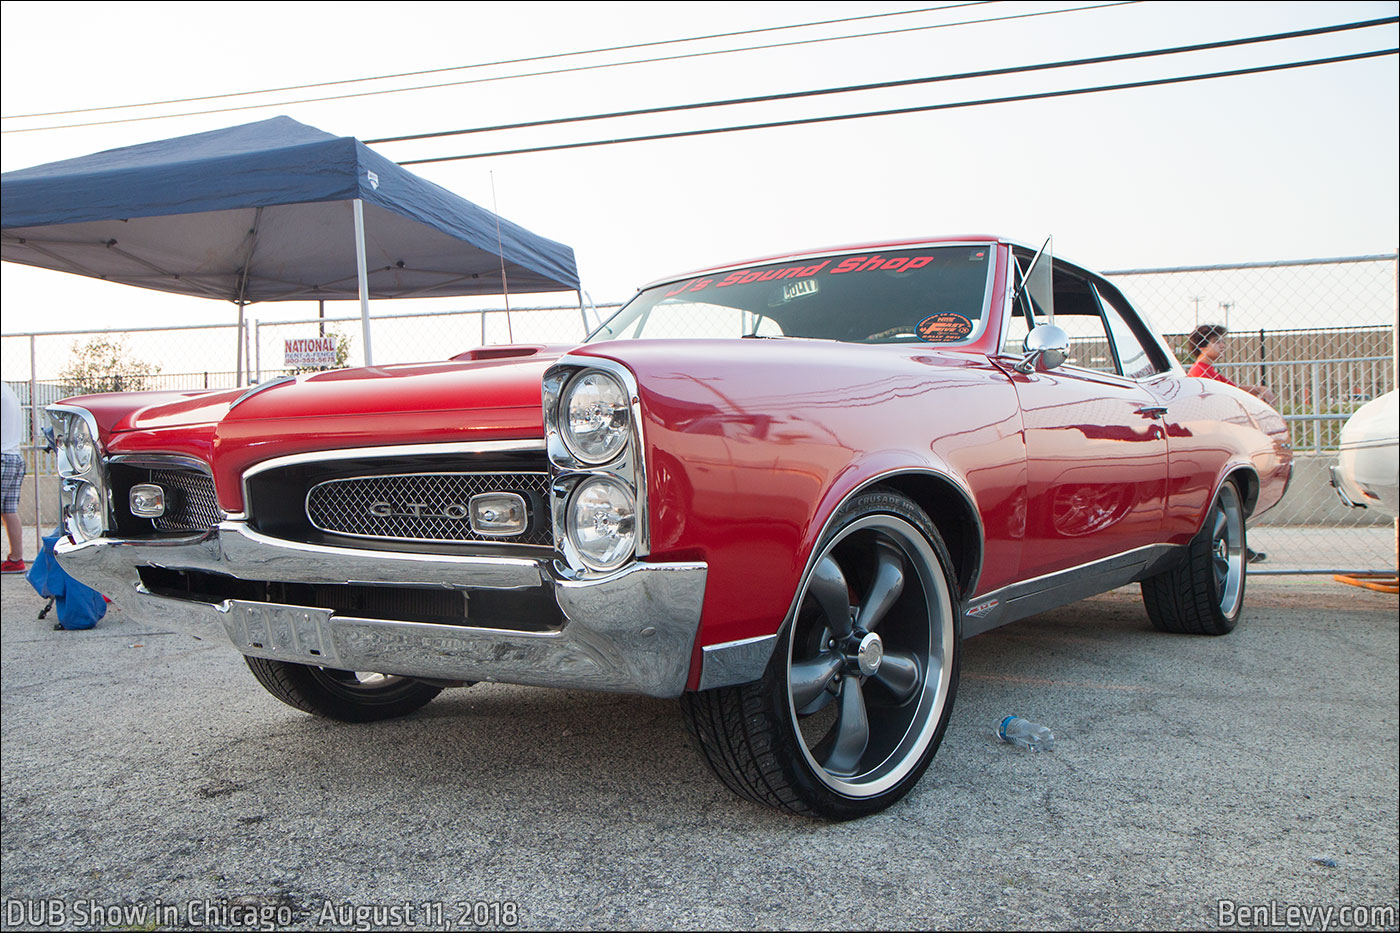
[783, 491]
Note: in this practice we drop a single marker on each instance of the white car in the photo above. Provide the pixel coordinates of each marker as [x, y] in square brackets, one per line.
[1367, 474]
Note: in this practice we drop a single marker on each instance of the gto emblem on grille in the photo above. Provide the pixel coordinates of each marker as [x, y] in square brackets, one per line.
[452, 510]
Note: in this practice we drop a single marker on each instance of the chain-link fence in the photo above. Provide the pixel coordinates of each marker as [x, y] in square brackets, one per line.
[1319, 333]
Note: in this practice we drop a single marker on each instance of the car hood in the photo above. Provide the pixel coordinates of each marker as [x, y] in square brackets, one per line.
[487, 395]
[478, 382]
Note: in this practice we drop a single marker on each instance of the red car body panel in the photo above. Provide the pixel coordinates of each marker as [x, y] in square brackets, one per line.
[738, 460]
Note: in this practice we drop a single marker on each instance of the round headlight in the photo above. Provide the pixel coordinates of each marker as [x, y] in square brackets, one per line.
[81, 448]
[595, 417]
[603, 522]
[87, 511]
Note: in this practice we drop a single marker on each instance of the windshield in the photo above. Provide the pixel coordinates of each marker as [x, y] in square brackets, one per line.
[933, 294]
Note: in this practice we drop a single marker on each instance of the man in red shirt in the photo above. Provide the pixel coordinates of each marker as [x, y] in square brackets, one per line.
[1206, 342]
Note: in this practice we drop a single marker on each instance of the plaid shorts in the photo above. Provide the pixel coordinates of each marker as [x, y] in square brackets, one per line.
[11, 475]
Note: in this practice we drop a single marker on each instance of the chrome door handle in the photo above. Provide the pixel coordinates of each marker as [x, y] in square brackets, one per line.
[1153, 411]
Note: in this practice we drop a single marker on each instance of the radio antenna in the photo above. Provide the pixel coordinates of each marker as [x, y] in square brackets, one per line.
[501, 252]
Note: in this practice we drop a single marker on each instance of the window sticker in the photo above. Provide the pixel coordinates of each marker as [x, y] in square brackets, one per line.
[871, 262]
[799, 289]
[944, 328]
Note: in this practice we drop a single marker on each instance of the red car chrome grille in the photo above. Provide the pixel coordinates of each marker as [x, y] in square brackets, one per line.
[424, 506]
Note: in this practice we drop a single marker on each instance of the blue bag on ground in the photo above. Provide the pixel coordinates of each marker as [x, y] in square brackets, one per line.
[78, 605]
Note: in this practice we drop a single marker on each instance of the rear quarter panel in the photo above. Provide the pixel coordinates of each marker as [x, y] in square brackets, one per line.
[1215, 429]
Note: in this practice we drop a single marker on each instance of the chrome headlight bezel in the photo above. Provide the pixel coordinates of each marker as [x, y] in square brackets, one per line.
[80, 446]
[616, 437]
[75, 431]
[624, 496]
[68, 421]
[88, 513]
[568, 471]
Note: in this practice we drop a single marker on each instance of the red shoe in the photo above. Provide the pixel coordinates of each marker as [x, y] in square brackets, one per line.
[12, 566]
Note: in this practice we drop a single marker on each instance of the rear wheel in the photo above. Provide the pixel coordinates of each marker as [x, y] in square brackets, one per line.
[857, 696]
[1204, 593]
[349, 696]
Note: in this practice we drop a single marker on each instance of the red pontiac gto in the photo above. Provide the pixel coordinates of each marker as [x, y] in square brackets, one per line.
[782, 491]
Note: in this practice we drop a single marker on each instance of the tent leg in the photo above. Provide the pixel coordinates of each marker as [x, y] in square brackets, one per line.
[363, 270]
[238, 370]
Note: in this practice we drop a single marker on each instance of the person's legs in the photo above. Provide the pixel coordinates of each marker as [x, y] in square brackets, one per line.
[11, 477]
[14, 537]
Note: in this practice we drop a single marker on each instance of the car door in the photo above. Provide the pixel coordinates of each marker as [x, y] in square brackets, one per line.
[1096, 447]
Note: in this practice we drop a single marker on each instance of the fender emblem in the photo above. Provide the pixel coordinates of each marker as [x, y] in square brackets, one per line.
[978, 611]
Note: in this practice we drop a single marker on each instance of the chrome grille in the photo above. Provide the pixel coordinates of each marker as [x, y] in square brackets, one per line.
[422, 506]
[190, 503]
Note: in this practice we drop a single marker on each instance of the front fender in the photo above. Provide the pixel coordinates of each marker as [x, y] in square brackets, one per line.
[748, 462]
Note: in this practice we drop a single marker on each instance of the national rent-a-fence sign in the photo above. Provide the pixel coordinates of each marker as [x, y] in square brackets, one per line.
[308, 351]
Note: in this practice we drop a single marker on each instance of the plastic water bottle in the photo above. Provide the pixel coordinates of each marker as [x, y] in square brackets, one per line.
[1025, 733]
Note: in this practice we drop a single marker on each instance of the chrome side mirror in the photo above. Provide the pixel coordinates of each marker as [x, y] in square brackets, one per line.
[1047, 344]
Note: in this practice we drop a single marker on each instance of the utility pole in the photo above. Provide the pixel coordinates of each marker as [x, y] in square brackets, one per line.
[1225, 306]
[1197, 299]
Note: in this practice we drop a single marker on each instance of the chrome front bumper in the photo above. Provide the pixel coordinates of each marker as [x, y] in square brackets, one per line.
[631, 632]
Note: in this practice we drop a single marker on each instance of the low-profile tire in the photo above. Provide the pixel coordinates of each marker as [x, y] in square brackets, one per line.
[1204, 593]
[344, 695]
[855, 700]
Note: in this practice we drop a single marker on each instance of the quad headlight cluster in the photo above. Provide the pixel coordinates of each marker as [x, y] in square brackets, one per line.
[598, 491]
[84, 486]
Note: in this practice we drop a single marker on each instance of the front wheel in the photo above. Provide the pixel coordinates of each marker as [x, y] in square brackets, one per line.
[348, 696]
[858, 694]
[1204, 593]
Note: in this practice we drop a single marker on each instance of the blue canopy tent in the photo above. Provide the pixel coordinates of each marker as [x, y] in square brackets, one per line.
[269, 211]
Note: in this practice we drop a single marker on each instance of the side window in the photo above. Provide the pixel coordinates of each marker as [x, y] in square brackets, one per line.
[1134, 360]
[1088, 340]
[1077, 311]
[1013, 342]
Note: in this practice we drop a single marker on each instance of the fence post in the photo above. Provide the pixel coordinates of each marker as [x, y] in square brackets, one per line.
[1316, 407]
[257, 350]
[34, 436]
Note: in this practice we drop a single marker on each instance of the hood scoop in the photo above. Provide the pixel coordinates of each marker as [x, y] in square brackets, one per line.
[499, 353]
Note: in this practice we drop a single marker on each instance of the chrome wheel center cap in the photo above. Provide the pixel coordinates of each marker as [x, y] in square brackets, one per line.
[1221, 549]
[870, 653]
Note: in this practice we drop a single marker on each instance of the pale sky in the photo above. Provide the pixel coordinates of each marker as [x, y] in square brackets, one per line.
[1287, 165]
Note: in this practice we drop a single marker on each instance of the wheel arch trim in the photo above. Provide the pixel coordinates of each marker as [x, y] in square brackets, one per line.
[745, 660]
[1248, 480]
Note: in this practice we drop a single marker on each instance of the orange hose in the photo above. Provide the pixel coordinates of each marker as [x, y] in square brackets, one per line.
[1380, 582]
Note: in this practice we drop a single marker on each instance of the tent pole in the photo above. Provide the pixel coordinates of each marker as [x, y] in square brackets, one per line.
[238, 372]
[363, 274]
[242, 299]
[583, 315]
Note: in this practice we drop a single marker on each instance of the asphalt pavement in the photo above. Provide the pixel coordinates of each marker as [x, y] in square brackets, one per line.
[149, 782]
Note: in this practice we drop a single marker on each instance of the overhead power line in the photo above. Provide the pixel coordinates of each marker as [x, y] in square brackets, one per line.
[503, 61]
[907, 82]
[1155, 82]
[578, 68]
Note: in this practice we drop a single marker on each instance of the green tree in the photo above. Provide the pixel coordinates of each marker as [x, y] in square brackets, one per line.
[105, 364]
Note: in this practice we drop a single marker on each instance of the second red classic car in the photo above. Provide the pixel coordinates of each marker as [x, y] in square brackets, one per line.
[783, 491]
